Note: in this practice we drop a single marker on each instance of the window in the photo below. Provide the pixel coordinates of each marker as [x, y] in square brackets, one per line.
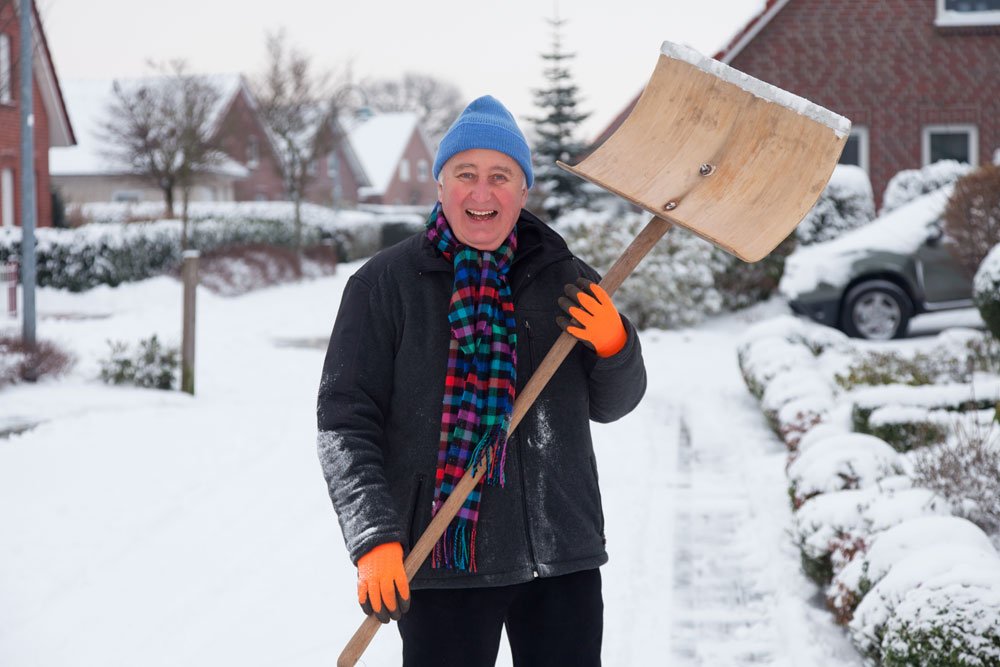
[404, 170]
[129, 196]
[423, 173]
[856, 149]
[968, 12]
[951, 142]
[7, 198]
[6, 81]
[253, 152]
[332, 166]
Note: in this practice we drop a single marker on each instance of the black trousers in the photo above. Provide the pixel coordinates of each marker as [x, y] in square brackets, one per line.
[551, 622]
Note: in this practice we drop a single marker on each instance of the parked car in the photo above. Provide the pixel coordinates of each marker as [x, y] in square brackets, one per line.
[871, 281]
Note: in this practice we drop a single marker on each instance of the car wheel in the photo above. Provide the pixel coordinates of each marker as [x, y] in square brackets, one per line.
[876, 310]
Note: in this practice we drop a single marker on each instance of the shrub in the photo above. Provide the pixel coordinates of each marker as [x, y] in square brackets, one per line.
[972, 217]
[18, 363]
[966, 472]
[841, 462]
[909, 184]
[846, 203]
[673, 286]
[941, 592]
[241, 269]
[152, 365]
[888, 367]
[986, 292]
[110, 253]
[906, 428]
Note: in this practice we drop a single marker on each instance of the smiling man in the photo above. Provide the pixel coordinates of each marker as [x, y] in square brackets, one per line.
[434, 339]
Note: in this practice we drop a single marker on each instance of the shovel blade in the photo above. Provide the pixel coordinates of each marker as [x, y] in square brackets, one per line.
[768, 160]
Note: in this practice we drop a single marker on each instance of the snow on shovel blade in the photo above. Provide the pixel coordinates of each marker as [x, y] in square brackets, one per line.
[735, 160]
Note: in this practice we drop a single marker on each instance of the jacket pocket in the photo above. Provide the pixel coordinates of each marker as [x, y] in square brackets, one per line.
[416, 522]
[597, 490]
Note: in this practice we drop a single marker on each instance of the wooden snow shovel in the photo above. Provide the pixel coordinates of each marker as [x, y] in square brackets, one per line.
[728, 157]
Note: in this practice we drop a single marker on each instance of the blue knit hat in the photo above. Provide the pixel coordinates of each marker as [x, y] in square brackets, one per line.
[485, 123]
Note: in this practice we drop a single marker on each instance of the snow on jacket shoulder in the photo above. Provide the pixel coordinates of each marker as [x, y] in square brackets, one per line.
[379, 415]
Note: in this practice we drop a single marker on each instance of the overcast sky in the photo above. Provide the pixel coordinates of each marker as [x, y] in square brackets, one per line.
[482, 47]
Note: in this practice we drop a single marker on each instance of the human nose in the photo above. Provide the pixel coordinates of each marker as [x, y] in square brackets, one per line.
[481, 190]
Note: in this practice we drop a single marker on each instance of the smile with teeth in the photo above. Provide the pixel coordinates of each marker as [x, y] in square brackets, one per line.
[481, 215]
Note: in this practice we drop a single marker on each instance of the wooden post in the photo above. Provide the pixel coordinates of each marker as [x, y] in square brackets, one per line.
[189, 275]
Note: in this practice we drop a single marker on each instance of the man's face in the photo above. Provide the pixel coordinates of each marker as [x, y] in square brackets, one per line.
[482, 192]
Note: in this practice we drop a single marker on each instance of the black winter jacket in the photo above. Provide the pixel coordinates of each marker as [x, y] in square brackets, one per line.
[379, 414]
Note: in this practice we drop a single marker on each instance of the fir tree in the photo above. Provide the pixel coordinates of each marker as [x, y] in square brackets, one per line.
[555, 131]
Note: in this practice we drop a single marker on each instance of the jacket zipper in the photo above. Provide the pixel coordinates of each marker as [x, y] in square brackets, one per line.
[520, 462]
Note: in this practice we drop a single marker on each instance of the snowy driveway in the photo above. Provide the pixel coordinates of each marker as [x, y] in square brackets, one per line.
[146, 528]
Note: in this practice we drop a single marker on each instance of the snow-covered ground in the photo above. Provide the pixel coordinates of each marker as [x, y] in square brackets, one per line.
[142, 527]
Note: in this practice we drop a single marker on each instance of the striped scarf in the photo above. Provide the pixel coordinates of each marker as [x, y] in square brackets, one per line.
[479, 386]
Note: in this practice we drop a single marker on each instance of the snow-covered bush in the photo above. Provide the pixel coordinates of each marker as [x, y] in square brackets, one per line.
[829, 530]
[921, 520]
[881, 367]
[986, 290]
[837, 463]
[966, 471]
[972, 217]
[906, 428]
[940, 606]
[152, 365]
[672, 287]
[846, 203]
[909, 184]
[954, 397]
[113, 253]
[239, 269]
[19, 363]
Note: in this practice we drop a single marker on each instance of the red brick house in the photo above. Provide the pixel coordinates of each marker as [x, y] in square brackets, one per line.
[397, 158]
[920, 79]
[52, 125]
[85, 174]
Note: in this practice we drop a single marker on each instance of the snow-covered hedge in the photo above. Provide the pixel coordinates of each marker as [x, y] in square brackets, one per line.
[846, 203]
[909, 417]
[780, 363]
[986, 290]
[837, 463]
[672, 287]
[863, 507]
[111, 253]
[939, 605]
[909, 184]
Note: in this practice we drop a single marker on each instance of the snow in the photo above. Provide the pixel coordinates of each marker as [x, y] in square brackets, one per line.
[765, 91]
[379, 143]
[902, 231]
[931, 568]
[153, 528]
[849, 461]
[88, 100]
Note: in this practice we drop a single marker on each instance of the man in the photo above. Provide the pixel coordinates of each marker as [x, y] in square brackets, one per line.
[434, 338]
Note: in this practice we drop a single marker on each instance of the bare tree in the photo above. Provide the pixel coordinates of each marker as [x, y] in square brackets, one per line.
[435, 101]
[159, 129]
[295, 102]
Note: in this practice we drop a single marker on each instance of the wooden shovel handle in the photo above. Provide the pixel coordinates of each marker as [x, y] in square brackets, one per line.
[642, 244]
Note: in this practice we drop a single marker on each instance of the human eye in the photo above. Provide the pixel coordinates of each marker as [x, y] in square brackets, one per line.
[499, 179]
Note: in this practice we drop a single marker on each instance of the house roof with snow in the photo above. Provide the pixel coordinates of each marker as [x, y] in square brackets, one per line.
[379, 143]
[60, 128]
[752, 28]
[88, 102]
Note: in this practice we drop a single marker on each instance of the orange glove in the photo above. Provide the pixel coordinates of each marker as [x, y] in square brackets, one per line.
[382, 586]
[596, 322]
